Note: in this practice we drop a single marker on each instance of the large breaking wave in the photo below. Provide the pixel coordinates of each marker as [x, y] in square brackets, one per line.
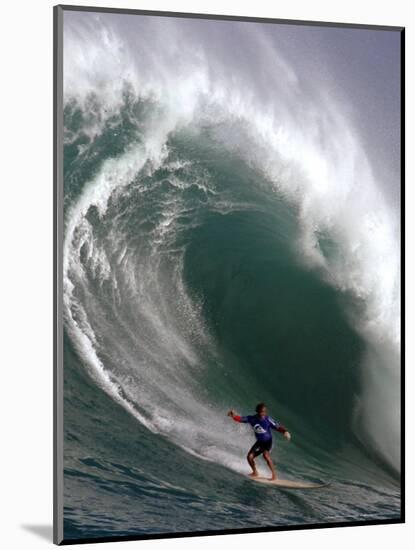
[225, 239]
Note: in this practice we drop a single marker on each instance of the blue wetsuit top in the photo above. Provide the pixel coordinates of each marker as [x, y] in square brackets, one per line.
[262, 426]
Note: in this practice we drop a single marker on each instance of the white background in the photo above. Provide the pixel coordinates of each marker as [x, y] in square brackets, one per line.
[26, 270]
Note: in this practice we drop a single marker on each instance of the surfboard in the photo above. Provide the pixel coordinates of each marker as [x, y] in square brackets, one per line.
[288, 483]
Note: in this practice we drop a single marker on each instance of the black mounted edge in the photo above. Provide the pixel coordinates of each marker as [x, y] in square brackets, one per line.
[57, 274]
[218, 17]
[402, 166]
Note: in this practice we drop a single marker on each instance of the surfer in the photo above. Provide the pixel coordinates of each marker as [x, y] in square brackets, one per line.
[262, 426]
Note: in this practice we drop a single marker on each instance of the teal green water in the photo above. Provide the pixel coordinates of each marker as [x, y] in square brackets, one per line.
[185, 296]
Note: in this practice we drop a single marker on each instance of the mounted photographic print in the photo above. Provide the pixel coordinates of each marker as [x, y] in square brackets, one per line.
[228, 197]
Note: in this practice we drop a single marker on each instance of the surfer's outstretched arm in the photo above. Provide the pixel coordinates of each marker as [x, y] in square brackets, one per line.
[237, 417]
[280, 428]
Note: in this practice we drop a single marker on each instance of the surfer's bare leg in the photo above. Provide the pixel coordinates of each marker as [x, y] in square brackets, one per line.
[251, 462]
[270, 465]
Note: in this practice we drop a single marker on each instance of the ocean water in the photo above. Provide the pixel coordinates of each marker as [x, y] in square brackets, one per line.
[222, 247]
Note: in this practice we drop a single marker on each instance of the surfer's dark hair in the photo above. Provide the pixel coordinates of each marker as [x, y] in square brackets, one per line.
[259, 407]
